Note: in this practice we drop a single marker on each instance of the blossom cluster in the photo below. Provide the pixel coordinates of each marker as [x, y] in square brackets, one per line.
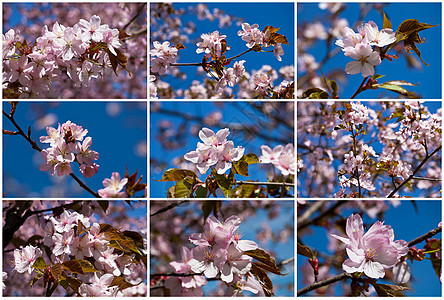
[253, 36]
[65, 149]
[162, 57]
[372, 252]
[212, 45]
[113, 187]
[359, 47]
[219, 250]
[214, 151]
[67, 241]
[281, 157]
[75, 50]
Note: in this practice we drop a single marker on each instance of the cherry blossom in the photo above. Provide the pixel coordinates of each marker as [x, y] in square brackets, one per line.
[25, 258]
[113, 187]
[365, 60]
[215, 151]
[371, 252]
[63, 150]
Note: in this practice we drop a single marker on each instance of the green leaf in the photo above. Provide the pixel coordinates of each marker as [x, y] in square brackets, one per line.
[385, 22]
[315, 93]
[209, 206]
[225, 183]
[56, 271]
[334, 87]
[72, 282]
[267, 262]
[250, 158]
[408, 31]
[395, 86]
[264, 280]
[79, 266]
[389, 290]
[241, 167]
[176, 174]
[400, 82]
[182, 189]
[103, 204]
[305, 251]
[34, 280]
[122, 283]
[40, 263]
[377, 76]
[243, 191]
[340, 126]
[201, 191]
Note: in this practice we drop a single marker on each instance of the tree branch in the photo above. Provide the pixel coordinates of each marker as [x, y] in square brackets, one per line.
[173, 274]
[166, 208]
[264, 183]
[139, 11]
[36, 147]
[322, 215]
[345, 275]
[322, 283]
[414, 172]
[425, 236]
[359, 88]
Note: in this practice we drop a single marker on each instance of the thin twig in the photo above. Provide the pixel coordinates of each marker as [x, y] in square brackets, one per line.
[359, 88]
[176, 274]
[310, 211]
[425, 236]
[264, 183]
[322, 215]
[414, 172]
[141, 9]
[322, 283]
[36, 147]
[166, 208]
[426, 178]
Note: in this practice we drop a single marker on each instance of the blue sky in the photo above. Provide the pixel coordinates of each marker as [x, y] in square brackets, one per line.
[279, 15]
[407, 225]
[428, 77]
[433, 106]
[120, 140]
[233, 113]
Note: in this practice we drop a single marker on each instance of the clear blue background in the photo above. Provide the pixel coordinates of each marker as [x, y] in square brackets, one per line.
[233, 113]
[113, 137]
[407, 225]
[277, 14]
[429, 77]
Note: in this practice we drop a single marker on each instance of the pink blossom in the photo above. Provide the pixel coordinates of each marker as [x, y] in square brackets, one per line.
[228, 155]
[365, 60]
[63, 242]
[25, 258]
[113, 187]
[371, 252]
[92, 30]
[378, 38]
[19, 70]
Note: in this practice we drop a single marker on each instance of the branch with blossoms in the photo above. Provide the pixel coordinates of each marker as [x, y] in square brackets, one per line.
[409, 137]
[85, 52]
[370, 255]
[215, 64]
[84, 258]
[368, 47]
[220, 253]
[219, 155]
[65, 148]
